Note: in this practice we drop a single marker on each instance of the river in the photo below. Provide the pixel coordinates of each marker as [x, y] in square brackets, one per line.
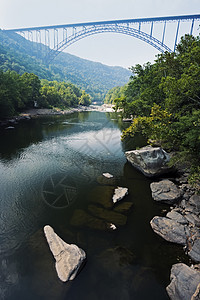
[50, 167]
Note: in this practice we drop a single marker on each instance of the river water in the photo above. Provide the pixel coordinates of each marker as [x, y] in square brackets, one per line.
[50, 169]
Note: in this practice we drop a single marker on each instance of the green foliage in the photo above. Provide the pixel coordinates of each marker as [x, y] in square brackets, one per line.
[85, 99]
[157, 126]
[22, 92]
[164, 99]
[114, 93]
[17, 92]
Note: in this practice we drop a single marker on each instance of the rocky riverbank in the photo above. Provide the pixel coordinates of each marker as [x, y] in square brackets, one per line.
[37, 112]
[181, 224]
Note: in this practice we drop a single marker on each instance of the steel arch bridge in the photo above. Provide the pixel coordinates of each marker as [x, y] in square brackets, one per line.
[57, 38]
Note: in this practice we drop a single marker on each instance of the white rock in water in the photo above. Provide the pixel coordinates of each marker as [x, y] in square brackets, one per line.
[69, 258]
[107, 175]
[112, 226]
[119, 194]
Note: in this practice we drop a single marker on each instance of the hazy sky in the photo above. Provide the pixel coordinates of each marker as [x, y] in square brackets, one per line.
[111, 49]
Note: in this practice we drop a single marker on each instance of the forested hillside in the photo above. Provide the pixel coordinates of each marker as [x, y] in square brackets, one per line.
[20, 55]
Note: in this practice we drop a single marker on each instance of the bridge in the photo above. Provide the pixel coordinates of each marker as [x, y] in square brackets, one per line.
[57, 38]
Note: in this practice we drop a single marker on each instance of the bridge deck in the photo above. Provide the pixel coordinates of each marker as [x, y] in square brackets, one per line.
[139, 20]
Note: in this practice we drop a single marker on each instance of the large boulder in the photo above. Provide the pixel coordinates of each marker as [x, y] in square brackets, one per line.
[69, 258]
[165, 191]
[184, 283]
[170, 230]
[151, 161]
[177, 216]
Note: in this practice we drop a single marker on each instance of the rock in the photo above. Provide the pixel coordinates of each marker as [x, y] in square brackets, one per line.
[81, 218]
[196, 295]
[184, 282]
[192, 218]
[194, 253]
[165, 191]
[107, 175]
[69, 258]
[170, 230]
[108, 215]
[195, 201]
[112, 226]
[123, 207]
[119, 194]
[151, 161]
[176, 216]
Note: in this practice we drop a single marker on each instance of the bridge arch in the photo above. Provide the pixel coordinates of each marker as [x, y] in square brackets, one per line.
[122, 29]
[58, 37]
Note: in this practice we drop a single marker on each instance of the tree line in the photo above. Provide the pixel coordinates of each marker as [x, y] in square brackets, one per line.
[163, 99]
[19, 55]
[20, 92]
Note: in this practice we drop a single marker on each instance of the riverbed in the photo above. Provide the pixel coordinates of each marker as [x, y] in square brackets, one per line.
[52, 166]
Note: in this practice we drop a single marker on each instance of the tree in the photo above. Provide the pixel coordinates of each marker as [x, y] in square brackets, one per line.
[85, 99]
[30, 88]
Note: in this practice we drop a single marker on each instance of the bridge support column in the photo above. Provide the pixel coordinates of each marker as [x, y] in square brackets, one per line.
[192, 26]
[163, 37]
[178, 25]
[151, 29]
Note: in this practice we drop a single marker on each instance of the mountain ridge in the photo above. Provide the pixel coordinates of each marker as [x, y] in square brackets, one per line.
[20, 55]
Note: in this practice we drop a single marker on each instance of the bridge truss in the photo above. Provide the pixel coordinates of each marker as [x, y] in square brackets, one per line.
[57, 38]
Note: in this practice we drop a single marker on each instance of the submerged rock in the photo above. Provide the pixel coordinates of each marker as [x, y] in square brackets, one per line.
[102, 195]
[123, 207]
[184, 283]
[114, 260]
[81, 218]
[119, 194]
[108, 215]
[151, 161]
[106, 179]
[165, 191]
[170, 230]
[69, 258]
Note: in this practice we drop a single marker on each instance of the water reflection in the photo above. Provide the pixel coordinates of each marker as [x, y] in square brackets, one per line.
[52, 167]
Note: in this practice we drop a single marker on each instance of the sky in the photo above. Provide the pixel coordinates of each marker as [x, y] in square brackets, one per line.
[108, 48]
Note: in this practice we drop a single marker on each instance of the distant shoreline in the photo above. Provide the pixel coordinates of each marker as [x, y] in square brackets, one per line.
[37, 112]
[51, 111]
